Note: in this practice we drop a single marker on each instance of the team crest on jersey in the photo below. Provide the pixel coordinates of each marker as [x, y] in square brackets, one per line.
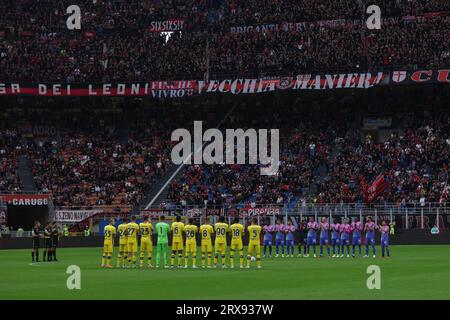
[398, 76]
[285, 83]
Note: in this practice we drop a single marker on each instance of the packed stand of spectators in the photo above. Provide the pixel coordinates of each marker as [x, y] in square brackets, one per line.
[323, 154]
[115, 44]
[90, 163]
[415, 165]
[87, 158]
[10, 149]
[252, 12]
[307, 137]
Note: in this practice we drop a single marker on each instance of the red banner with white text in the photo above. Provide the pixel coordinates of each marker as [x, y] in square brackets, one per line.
[186, 88]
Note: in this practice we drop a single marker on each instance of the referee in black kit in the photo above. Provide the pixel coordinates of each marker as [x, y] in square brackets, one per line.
[55, 237]
[48, 242]
[36, 234]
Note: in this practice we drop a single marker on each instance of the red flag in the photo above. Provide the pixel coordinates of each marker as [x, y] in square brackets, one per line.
[377, 187]
[363, 187]
[444, 194]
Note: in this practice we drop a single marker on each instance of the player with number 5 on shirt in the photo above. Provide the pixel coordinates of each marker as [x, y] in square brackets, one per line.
[254, 243]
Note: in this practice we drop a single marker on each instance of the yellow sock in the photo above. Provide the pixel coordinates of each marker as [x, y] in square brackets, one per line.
[249, 259]
[241, 258]
[203, 259]
[209, 259]
[258, 260]
[194, 258]
[232, 258]
[172, 258]
[103, 259]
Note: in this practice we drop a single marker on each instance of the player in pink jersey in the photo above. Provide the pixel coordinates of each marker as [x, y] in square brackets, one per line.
[311, 238]
[356, 236]
[335, 238]
[345, 230]
[267, 241]
[290, 237]
[369, 228]
[324, 228]
[278, 228]
[384, 229]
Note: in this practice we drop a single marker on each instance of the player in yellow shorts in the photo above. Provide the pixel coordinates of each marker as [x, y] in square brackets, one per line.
[237, 232]
[254, 243]
[206, 230]
[108, 245]
[177, 229]
[123, 244]
[220, 244]
[132, 230]
[191, 243]
[146, 231]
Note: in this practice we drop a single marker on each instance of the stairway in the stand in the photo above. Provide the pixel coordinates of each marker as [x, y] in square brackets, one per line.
[26, 174]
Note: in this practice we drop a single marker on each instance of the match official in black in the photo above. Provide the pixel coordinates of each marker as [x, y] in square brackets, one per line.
[36, 234]
[55, 237]
[48, 242]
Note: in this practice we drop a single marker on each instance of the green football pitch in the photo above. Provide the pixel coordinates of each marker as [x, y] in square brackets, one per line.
[413, 272]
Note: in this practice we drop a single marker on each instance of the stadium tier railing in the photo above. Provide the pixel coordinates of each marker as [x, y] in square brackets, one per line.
[387, 211]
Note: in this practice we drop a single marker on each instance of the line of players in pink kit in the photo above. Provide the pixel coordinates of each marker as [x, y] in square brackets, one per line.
[340, 237]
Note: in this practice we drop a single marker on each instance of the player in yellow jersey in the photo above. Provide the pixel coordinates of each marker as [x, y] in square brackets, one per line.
[191, 243]
[132, 231]
[254, 243]
[237, 232]
[177, 241]
[122, 231]
[108, 244]
[146, 231]
[220, 244]
[206, 230]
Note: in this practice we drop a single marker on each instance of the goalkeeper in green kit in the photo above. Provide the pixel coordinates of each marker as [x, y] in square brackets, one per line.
[163, 229]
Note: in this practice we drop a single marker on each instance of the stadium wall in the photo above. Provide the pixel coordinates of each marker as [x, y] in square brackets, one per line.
[403, 237]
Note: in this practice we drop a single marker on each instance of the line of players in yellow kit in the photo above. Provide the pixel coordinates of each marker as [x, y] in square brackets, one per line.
[128, 243]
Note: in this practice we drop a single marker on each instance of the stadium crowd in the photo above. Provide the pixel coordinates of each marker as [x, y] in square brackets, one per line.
[95, 161]
[115, 44]
[114, 159]
[414, 164]
[90, 163]
[10, 148]
[306, 141]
